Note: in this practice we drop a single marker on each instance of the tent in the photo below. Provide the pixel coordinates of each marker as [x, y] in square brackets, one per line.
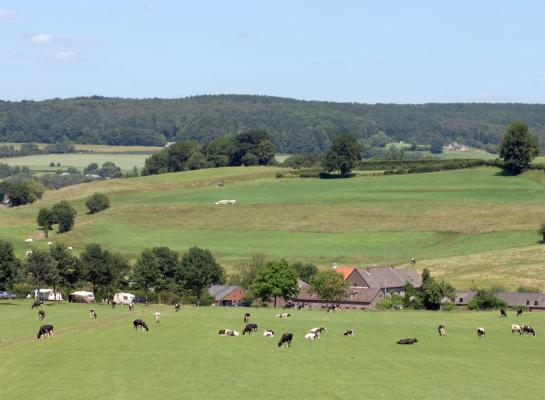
[47, 295]
[124, 298]
[81, 296]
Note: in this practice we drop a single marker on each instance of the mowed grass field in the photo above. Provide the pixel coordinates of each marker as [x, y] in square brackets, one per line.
[183, 356]
[471, 226]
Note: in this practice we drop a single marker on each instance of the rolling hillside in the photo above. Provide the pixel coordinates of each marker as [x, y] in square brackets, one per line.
[466, 225]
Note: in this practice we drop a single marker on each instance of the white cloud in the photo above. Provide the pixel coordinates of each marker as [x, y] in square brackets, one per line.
[6, 14]
[41, 38]
[63, 56]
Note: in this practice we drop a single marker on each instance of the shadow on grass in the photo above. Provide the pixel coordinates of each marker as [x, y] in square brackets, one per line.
[7, 304]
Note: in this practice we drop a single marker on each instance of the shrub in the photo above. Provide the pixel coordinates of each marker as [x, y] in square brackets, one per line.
[448, 307]
[97, 202]
[485, 300]
[393, 301]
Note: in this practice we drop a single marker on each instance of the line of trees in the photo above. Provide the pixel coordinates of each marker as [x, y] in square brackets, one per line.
[29, 149]
[253, 147]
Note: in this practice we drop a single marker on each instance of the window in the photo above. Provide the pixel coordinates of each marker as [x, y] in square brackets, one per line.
[536, 303]
[527, 302]
[460, 300]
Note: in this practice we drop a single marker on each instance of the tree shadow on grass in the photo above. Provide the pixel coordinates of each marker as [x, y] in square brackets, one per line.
[7, 304]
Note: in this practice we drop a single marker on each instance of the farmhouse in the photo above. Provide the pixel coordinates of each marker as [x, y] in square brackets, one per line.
[384, 279]
[367, 287]
[226, 295]
[533, 301]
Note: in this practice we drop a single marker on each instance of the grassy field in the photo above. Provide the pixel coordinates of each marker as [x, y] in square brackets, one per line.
[472, 226]
[41, 162]
[183, 357]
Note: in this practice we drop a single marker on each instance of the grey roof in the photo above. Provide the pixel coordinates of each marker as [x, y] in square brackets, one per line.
[379, 278]
[220, 291]
[522, 299]
[465, 296]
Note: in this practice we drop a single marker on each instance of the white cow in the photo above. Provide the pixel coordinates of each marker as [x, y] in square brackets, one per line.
[312, 336]
[516, 329]
[29, 252]
[49, 244]
[28, 241]
[283, 315]
[268, 333]
[69, 248]
[157, 316]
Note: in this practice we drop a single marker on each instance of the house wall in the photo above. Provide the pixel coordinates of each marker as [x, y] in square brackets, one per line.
[355, 279]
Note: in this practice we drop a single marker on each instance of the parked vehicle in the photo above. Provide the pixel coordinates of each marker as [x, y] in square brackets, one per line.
[4, 295]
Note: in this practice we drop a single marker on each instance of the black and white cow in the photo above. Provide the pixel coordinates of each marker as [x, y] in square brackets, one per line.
[290, 304]
[45, 330]
[139, 325]
[503, 313]
[41, 315]
[349, 332]
[407, 341]
[249, 329]
[285, 339]
[37, 303]
[92, 313]
[481, 332]
[516, 329]
[519, 312]
[131, 306]
[528, 330]
[441, 329]
[177, 307]
[283, 315]
[247, 317]
[319, 330]
[268, 333]
[228, 332]
[312, 336]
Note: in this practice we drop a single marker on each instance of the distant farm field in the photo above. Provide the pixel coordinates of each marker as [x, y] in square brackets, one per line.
[471, 226]
[42, 161]
[183, 356]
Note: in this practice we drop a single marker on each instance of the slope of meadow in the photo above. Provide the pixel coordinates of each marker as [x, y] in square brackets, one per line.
[466, 224]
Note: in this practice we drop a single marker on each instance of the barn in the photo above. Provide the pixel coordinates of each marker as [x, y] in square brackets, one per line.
[225, 295]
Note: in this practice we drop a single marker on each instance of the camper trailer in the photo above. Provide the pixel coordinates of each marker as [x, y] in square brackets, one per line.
[81, 296]
[124, 298]
[46, 295]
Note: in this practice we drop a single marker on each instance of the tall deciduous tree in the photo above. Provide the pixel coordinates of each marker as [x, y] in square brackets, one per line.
[329, 285]
[97, 202]
[275, 279]
[101, 267]
[64, 215]
[8, 263]
[343, 155]
[67, 264]
[198, 270]
[45, 220]
[305, 271]
[518, 147]
[41, 268]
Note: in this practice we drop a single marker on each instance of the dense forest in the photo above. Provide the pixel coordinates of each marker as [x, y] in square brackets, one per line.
[294, 126]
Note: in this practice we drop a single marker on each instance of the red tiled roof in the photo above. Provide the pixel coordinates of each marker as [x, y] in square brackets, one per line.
[345, 271]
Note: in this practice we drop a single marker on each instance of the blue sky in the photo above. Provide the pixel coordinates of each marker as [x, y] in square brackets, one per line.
[363, 51]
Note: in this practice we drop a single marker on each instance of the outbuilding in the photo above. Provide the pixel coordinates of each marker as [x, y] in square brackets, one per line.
[124, 298]
[226, 295]
[81, 296]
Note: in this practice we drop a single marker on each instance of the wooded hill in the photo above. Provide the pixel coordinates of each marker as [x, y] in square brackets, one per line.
[295, 126]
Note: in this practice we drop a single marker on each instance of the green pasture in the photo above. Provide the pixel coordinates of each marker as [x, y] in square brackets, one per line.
[183, 357]
[78, 160]
[462, 218]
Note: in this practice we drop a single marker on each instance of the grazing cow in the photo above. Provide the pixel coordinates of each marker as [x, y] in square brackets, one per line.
[131, 307]
[289, 304]
[481, 333]
[49, 244]
[286, 339]
[312, 336]
[28, 241]
[69, 248]
[349, 332]
[41, 315]
[528, 330]
[268, 333]
[113, 304]
[92, 313]
[157, 316]
[441, 329]
[319, 330]
[37, 303]
[516, 329]
[228, 332]
[246, 317]
[407, 341]
[519, 312]
[333, 307]
[249, 328]
[177, 307]
[28, 253]
[503, 313]
[283, 315]
[45, 330]
[139, 325]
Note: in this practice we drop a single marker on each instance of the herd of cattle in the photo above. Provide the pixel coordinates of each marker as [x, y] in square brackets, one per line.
[285, 339]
